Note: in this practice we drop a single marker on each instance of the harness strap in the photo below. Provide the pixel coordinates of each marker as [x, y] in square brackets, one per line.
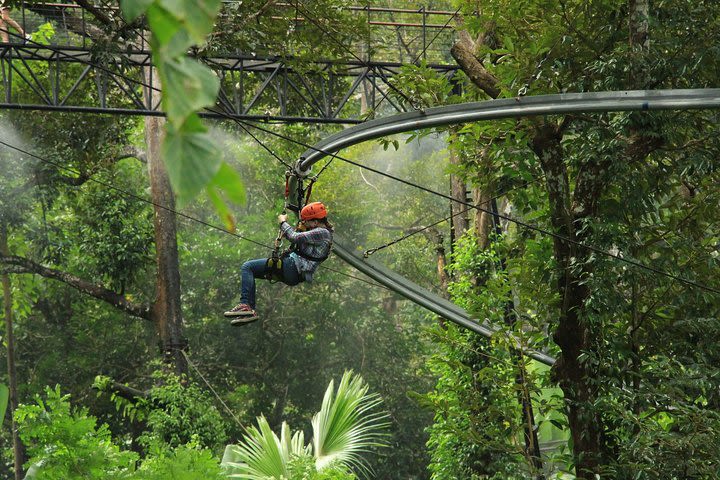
[311, 257]
[275, 269]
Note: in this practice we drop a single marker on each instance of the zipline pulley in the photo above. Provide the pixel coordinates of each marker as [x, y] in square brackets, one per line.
[294, 192]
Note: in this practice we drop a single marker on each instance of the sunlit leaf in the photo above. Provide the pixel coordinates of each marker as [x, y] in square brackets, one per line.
[229, 181]
[169, 38]
[187, 87]
[132, 9]
[197, 16]
[191, 157]
[222, 208]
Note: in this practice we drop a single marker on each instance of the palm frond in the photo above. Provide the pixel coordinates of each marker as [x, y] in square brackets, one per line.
[261, 455]
[347, 424]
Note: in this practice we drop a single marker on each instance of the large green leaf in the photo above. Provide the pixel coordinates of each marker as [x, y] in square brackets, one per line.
[191, 157]
[170, 40]
[260, 456]
[187, 87]
[227, 181]
[197, 16]
[4, 395]
[347, 424]
[132, 9]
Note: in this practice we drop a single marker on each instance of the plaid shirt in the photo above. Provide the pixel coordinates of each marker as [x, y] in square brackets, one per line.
[315, 243]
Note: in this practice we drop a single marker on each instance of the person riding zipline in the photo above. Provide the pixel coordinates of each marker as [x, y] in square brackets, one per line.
[311, 244]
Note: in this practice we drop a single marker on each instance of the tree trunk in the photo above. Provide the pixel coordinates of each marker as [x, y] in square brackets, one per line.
[458, 191]
[18, 448]
[483, 220]
[572, 334]
[166, 311]
[639, 26]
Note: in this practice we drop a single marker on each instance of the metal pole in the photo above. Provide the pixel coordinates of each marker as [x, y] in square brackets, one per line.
[424, 33]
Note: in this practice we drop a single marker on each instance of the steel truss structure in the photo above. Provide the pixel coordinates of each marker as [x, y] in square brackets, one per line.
[59, 76]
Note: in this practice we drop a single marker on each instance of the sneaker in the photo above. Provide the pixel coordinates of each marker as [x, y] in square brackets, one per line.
[237, 321]
[240, 310]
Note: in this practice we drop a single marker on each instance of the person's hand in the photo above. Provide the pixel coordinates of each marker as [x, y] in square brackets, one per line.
[282, 218]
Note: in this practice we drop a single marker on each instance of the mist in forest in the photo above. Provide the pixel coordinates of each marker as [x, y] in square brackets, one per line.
[12, 162]
[16, 170]
[422, 161]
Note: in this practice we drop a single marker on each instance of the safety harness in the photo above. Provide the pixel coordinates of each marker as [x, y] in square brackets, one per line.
[293, 184]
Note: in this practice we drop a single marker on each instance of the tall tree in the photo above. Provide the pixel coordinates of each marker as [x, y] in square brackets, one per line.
[18, 448]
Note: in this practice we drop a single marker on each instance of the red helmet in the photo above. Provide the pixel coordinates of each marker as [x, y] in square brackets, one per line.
[313, 211]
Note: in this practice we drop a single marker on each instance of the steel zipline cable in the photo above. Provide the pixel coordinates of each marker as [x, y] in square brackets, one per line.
[371, 251]
[138, 198]
[520, 223]
[434, 192]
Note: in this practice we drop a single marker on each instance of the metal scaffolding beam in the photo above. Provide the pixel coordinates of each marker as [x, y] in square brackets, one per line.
[58, 73]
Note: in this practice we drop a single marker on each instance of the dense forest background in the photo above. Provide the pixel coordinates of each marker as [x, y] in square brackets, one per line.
[635, 392]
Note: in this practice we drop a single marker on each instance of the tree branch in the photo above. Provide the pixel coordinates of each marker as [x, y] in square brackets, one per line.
[126, 392]
[464, 54]
[72, 22]
[17, 264]
[97, 12]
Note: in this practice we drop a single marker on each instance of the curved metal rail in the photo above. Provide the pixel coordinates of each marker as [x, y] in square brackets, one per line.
[488, 110]
[511, 108]
[417, 294]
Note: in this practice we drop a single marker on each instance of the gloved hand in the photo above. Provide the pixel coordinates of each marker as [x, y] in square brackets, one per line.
[282, 218]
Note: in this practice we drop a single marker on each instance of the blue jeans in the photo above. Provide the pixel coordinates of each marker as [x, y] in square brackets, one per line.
[258, 268]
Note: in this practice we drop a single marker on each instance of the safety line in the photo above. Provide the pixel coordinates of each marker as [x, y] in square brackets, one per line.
[371, 251]
[224, 101]
[504, 217]
[232, 414]
[180, 214]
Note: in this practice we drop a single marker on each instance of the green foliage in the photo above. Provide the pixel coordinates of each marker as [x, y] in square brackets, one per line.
[346, 425]
[185, 462]
[175, 413]
[302, 467]
[65, 442]
[4, 395]
[478, 429]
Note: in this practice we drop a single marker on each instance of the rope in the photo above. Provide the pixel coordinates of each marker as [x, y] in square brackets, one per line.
[232, 414]
[226, 113]
[371, 251]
